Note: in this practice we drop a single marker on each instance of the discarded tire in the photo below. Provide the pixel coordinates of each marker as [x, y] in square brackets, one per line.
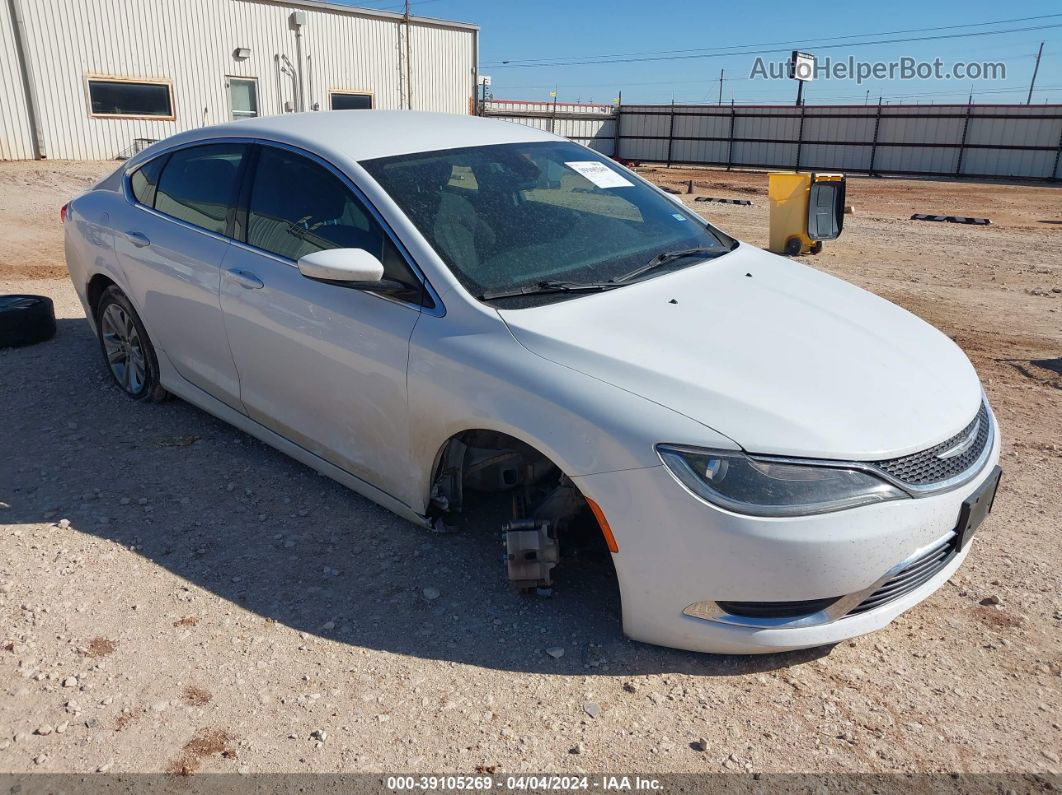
[25, 319]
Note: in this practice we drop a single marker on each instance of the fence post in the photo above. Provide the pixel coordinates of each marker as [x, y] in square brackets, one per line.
[800, 134]
[670, 133]
[962, 143]
[730, 138]
[1058, 156]
[874, 144]
[616, 127]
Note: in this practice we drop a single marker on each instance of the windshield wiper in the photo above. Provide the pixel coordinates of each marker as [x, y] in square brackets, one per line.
[664, 258]
[545, 288]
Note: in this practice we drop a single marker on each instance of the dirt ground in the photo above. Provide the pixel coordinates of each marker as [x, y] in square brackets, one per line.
[177, 597]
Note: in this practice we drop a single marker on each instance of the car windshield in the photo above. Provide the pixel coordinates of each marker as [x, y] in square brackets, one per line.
[512, 216]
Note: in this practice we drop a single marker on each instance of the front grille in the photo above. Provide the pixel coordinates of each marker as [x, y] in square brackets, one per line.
[911, 577]
[925, 468]
[776, 609]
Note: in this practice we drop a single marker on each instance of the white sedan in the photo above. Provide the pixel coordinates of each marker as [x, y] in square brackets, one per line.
[446, 312]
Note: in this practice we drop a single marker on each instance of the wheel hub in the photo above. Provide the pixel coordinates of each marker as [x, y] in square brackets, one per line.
[121, 345]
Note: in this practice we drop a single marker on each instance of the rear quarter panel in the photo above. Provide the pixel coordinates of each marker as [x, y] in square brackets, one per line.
[89, 242]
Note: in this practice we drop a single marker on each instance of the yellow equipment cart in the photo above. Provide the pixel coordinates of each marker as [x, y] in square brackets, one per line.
[806, 208]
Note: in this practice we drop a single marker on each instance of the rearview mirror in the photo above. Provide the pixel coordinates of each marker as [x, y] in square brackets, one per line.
[342, 265]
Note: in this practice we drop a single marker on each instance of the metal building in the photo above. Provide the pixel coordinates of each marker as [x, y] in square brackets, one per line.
[96, 79]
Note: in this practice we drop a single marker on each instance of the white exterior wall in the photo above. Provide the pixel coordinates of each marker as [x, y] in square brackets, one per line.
[190, 43]
[15, 136]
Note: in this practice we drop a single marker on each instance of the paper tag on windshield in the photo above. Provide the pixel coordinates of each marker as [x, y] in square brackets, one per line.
[600, 174]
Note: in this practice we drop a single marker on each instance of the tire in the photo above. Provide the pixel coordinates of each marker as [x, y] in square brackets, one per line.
[816, 247]
[25, 320]
[793, 246]
[127, 349]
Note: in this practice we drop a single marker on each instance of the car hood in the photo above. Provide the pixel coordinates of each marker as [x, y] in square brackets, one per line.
[777, 356]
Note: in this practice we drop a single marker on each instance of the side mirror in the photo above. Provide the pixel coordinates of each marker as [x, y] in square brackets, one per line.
[342, 265]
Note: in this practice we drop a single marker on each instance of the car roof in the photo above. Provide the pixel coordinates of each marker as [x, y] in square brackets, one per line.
[367, 134]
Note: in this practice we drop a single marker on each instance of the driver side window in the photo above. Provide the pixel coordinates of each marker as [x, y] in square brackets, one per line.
[297, 207]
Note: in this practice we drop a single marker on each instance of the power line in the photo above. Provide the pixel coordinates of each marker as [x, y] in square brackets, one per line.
[705, 81]
[816, 46]
[515, 61]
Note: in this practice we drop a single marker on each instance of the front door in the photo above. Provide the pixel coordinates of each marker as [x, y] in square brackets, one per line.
[323, 365]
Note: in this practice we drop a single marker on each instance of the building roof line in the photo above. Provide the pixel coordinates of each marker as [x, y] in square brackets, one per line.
[324, 5]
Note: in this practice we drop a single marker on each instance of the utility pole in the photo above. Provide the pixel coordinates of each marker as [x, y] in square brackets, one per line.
[721, 71]
[409, 71]
[1035, 70]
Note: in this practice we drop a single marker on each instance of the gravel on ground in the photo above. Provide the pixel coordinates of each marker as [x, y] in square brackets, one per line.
[179, 597]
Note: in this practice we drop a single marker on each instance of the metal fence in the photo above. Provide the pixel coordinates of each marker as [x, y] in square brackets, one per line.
[593, 125]
[993, 141]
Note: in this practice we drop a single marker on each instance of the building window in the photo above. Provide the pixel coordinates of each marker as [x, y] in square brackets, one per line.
[243, 97]
[350, 100]
[130, 98]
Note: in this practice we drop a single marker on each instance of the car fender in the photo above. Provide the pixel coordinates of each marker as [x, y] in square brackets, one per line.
[465, 376]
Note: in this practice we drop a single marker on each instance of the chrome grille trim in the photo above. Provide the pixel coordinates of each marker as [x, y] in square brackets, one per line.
[910, 575]
[905, 577]
[984, 443]
[946, 461]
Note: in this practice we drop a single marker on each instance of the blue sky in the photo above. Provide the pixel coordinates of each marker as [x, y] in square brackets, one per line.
[574, 30]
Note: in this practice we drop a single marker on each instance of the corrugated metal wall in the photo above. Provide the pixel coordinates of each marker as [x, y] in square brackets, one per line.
[15, 140]
[190, 43]
[443, 66]
[1023, 141]
[592, 125]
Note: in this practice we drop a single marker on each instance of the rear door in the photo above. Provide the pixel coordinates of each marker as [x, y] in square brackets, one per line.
[171, 244]
[324, 365]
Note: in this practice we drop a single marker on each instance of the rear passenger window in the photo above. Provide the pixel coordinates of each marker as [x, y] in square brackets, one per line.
[145, 179]
[199, 184]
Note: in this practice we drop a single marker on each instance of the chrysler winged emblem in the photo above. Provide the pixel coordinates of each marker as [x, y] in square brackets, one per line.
[963, 444]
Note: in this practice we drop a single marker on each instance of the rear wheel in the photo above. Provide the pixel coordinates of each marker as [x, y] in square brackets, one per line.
[793, 246]
[126, 348]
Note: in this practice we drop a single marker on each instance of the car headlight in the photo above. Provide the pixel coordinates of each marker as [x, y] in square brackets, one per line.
[743, 484]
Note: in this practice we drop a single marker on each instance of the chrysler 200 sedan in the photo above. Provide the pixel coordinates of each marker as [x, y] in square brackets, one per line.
[440, 311]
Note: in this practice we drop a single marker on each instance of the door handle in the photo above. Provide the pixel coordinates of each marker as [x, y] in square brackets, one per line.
[138, 239]
[246, 280]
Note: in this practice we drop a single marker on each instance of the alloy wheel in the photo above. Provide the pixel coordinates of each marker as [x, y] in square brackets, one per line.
[123, 349]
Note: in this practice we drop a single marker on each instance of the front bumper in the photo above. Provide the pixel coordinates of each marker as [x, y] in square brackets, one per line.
[676, 550]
